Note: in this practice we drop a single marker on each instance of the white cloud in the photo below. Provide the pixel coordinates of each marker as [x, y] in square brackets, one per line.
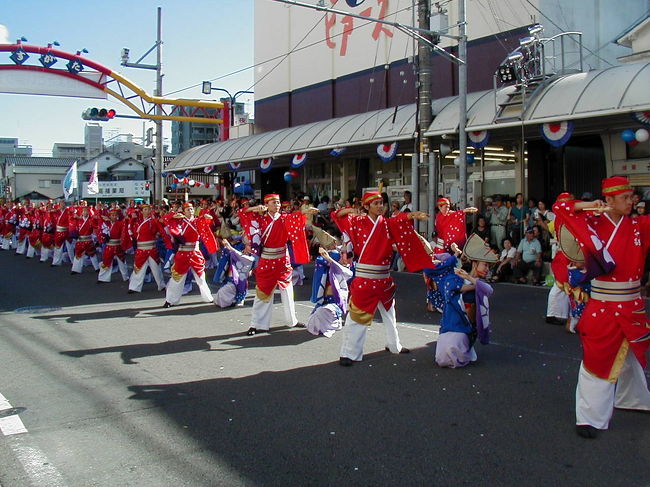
[4, 35]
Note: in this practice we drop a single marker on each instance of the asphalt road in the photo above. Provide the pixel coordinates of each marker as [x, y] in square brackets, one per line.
[118, 391]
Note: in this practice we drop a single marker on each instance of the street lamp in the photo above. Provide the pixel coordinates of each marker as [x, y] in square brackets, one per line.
[206, 89]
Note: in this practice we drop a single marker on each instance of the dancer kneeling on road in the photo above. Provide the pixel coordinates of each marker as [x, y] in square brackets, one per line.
[465, 313]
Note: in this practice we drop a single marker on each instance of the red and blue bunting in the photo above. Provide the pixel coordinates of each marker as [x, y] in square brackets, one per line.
[208, 169]
[557, 133]
[234, 166]
[387, 152]
[265, 164]
[298, 160]
[642, 117]
[478, 138]
[337, 151]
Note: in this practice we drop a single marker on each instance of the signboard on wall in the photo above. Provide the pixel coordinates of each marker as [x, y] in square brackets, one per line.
[118, 189]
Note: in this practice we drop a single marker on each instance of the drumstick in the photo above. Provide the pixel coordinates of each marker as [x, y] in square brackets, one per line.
[597, 208]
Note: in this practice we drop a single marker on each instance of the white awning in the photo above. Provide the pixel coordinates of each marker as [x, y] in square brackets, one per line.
[604, 92]
[381, 126]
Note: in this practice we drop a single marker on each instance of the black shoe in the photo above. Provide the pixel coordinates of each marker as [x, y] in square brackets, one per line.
[346, 362]
[101, 282]
[167, 304]
[586, 431]
[73, 273]
[130, 291]
[552, 320]
[300, 325]
[251, 331]
[403, 350]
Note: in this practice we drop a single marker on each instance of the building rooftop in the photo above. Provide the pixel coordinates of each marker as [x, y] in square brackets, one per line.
[40, 161]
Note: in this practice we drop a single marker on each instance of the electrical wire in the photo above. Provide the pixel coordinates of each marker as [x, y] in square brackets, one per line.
[280, 56]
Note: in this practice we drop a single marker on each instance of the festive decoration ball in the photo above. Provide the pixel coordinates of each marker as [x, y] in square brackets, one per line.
[176, 181]
[207, 185]
[470, 158]
[288, 177]
[628, 135]
[633, 143]
[294, 174]
[457, 161]
[191, 182]
[174, 185]
[164, 175]
[642, 135]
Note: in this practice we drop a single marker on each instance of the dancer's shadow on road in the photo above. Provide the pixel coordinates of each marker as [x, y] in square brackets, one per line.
[279, 337]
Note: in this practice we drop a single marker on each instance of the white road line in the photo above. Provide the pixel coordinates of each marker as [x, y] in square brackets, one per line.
[10, 425]
[37, 466]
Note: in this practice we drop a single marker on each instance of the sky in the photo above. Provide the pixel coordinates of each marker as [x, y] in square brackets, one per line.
[202, 40]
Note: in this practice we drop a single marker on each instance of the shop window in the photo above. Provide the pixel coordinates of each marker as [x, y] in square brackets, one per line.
[638, 151]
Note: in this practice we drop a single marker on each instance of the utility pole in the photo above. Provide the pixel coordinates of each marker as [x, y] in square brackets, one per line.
[158, 162]
[462, 103]
[424, 101]
[158, 166]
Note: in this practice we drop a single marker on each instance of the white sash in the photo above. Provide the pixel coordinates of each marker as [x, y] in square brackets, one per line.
[374, 226]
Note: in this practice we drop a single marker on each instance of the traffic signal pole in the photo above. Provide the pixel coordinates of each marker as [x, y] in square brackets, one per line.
[158, 188]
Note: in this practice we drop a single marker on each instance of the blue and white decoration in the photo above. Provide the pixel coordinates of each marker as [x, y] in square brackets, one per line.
[642, 117]
[298, 160]
[337, 151]
[387, 152]
[265, 164]
[558, 133]
[234, 166]
[478, 139]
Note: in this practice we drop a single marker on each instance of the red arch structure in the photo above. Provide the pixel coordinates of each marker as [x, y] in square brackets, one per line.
[85, 78]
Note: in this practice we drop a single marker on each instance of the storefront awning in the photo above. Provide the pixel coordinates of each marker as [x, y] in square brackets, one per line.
[381, 126]
[603, 92]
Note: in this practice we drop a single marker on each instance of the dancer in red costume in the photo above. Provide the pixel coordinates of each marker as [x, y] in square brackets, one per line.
[450, 225]
[187, 231]
[115, 234]
[85, 226]
[372, 288]
[146, 230]
[268, 231]
[613, 329]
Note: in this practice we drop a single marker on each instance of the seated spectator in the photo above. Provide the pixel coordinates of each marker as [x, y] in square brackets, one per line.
[528, 257]
[503, 269]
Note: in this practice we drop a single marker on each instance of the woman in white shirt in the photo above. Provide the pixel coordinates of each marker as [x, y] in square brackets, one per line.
[504, 265]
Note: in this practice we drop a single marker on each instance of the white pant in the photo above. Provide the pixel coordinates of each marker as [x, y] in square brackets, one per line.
[78, 264]
[105, 272]
[558, 303]
[137, 278]
[45, 253]
[175, 288]
[596, 398]
[263, 310]
[31, 251]
[354, 334]
[6, 243]
[21, 247]
[57, 256]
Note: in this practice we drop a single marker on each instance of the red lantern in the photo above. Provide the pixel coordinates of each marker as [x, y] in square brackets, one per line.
[633, 143]
[294, 174]
[207, 185]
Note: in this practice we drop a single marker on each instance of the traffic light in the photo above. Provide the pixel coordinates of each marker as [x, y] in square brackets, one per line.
[98, 114]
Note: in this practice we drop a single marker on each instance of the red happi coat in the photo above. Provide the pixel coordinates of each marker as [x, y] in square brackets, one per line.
[451, 228]
[275, 232]
[115, 231]
[85, 228]
[47, 237]
[147, 230]
[375, 247]
[609, 329]
[188, 231]
[61, 228]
